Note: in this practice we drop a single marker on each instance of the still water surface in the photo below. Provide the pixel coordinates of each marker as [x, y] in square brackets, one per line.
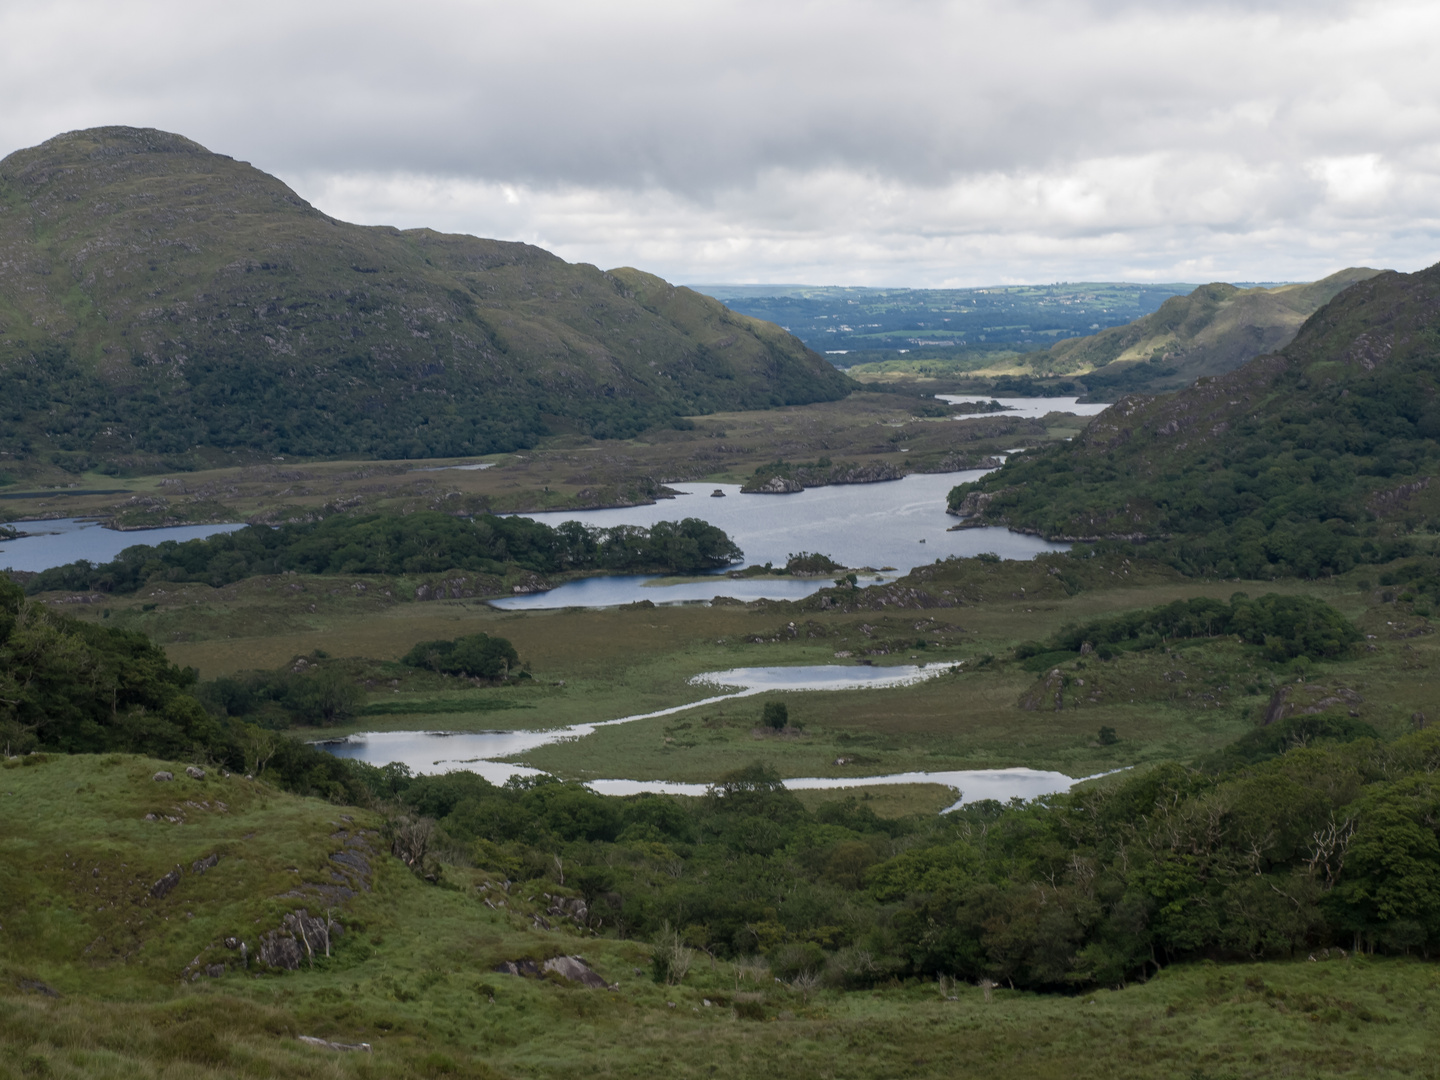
[1024, 408]
[66, 540]
[440, 752]
[899, 524]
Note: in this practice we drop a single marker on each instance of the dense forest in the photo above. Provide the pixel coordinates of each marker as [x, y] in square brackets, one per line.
[395, 544]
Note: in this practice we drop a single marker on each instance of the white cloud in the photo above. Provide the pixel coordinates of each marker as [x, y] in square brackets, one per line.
[903, 141]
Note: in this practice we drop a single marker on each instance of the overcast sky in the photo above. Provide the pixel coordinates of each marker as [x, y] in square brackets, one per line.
[903, 142]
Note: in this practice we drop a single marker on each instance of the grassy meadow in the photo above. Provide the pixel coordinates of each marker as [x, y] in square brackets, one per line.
[98, 975]
[589, 665]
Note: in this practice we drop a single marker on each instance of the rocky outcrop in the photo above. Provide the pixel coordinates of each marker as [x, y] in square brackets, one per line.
[1392, 501]
[460, 587]
[973, 504]
[1048, 695]
[165, 885]
[573, 968]
[788, 479]
[775, 485]
[576, 970]
[1309, 699]
[300, 936]
[199, 866]
[573, 908]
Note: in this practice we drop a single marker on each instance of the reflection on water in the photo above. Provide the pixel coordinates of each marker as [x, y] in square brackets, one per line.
[609, 591]
[758, 680]
[1025, 408]
[970, 785]
[898, 523]
[440, 752]
[66, 540]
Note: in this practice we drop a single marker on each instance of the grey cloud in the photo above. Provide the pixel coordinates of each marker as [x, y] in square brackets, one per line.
[1122, 127]
[688, 96]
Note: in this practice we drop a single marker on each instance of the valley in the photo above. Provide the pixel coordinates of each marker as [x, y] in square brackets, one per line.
[429, 765]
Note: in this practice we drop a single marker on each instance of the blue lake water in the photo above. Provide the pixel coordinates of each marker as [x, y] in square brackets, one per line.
[66, 540]
[898, 523]
[480, 751]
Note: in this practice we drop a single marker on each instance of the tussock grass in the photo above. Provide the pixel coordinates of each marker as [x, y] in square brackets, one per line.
[414, 975]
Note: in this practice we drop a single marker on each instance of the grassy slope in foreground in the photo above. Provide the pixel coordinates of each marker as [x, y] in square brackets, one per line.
[1306, 461]
[157, 299]
[413, 975]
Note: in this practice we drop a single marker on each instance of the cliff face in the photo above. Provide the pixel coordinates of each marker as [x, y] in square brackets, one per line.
[156, 298]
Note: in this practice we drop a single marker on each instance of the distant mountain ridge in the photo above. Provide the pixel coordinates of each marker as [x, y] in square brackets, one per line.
[157, 299]
[1304, 461]
[1213, 330]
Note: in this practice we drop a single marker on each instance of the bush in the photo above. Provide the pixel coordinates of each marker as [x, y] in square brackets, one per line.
[305, 693]
[775, 715]
[1287, 627]
[477, 656]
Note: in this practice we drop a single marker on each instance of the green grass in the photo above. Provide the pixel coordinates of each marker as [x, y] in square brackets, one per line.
[593, 665]
[412, 975]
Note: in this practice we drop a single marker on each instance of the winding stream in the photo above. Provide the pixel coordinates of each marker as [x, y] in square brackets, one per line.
[480, 752]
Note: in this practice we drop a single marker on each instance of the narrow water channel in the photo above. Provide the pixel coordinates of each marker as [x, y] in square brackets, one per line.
[481, 752]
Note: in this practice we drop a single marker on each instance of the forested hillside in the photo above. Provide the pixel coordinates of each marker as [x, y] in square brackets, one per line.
[1307, 461]
[158, 300]
[1213, 330]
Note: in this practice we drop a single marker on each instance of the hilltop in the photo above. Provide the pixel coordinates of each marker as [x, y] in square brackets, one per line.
[1172, 341]
[1304, 461]
[1213, 330]
[162, 303]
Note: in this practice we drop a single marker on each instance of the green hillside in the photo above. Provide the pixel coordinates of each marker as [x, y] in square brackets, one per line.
[1213, 330]
[1305, 461]
[159, 301]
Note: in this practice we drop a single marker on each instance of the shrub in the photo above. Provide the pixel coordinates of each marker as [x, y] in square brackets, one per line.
[477, 656]
[775, 715]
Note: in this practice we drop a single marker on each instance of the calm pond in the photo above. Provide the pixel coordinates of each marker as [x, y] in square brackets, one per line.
[66, 540]
[899, 524]
[1025, 408]
[440, 752]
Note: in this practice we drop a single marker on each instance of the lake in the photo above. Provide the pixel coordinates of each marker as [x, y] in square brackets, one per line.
[439, 752]
[66, 540]
[899, 524]
[1024, 408]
